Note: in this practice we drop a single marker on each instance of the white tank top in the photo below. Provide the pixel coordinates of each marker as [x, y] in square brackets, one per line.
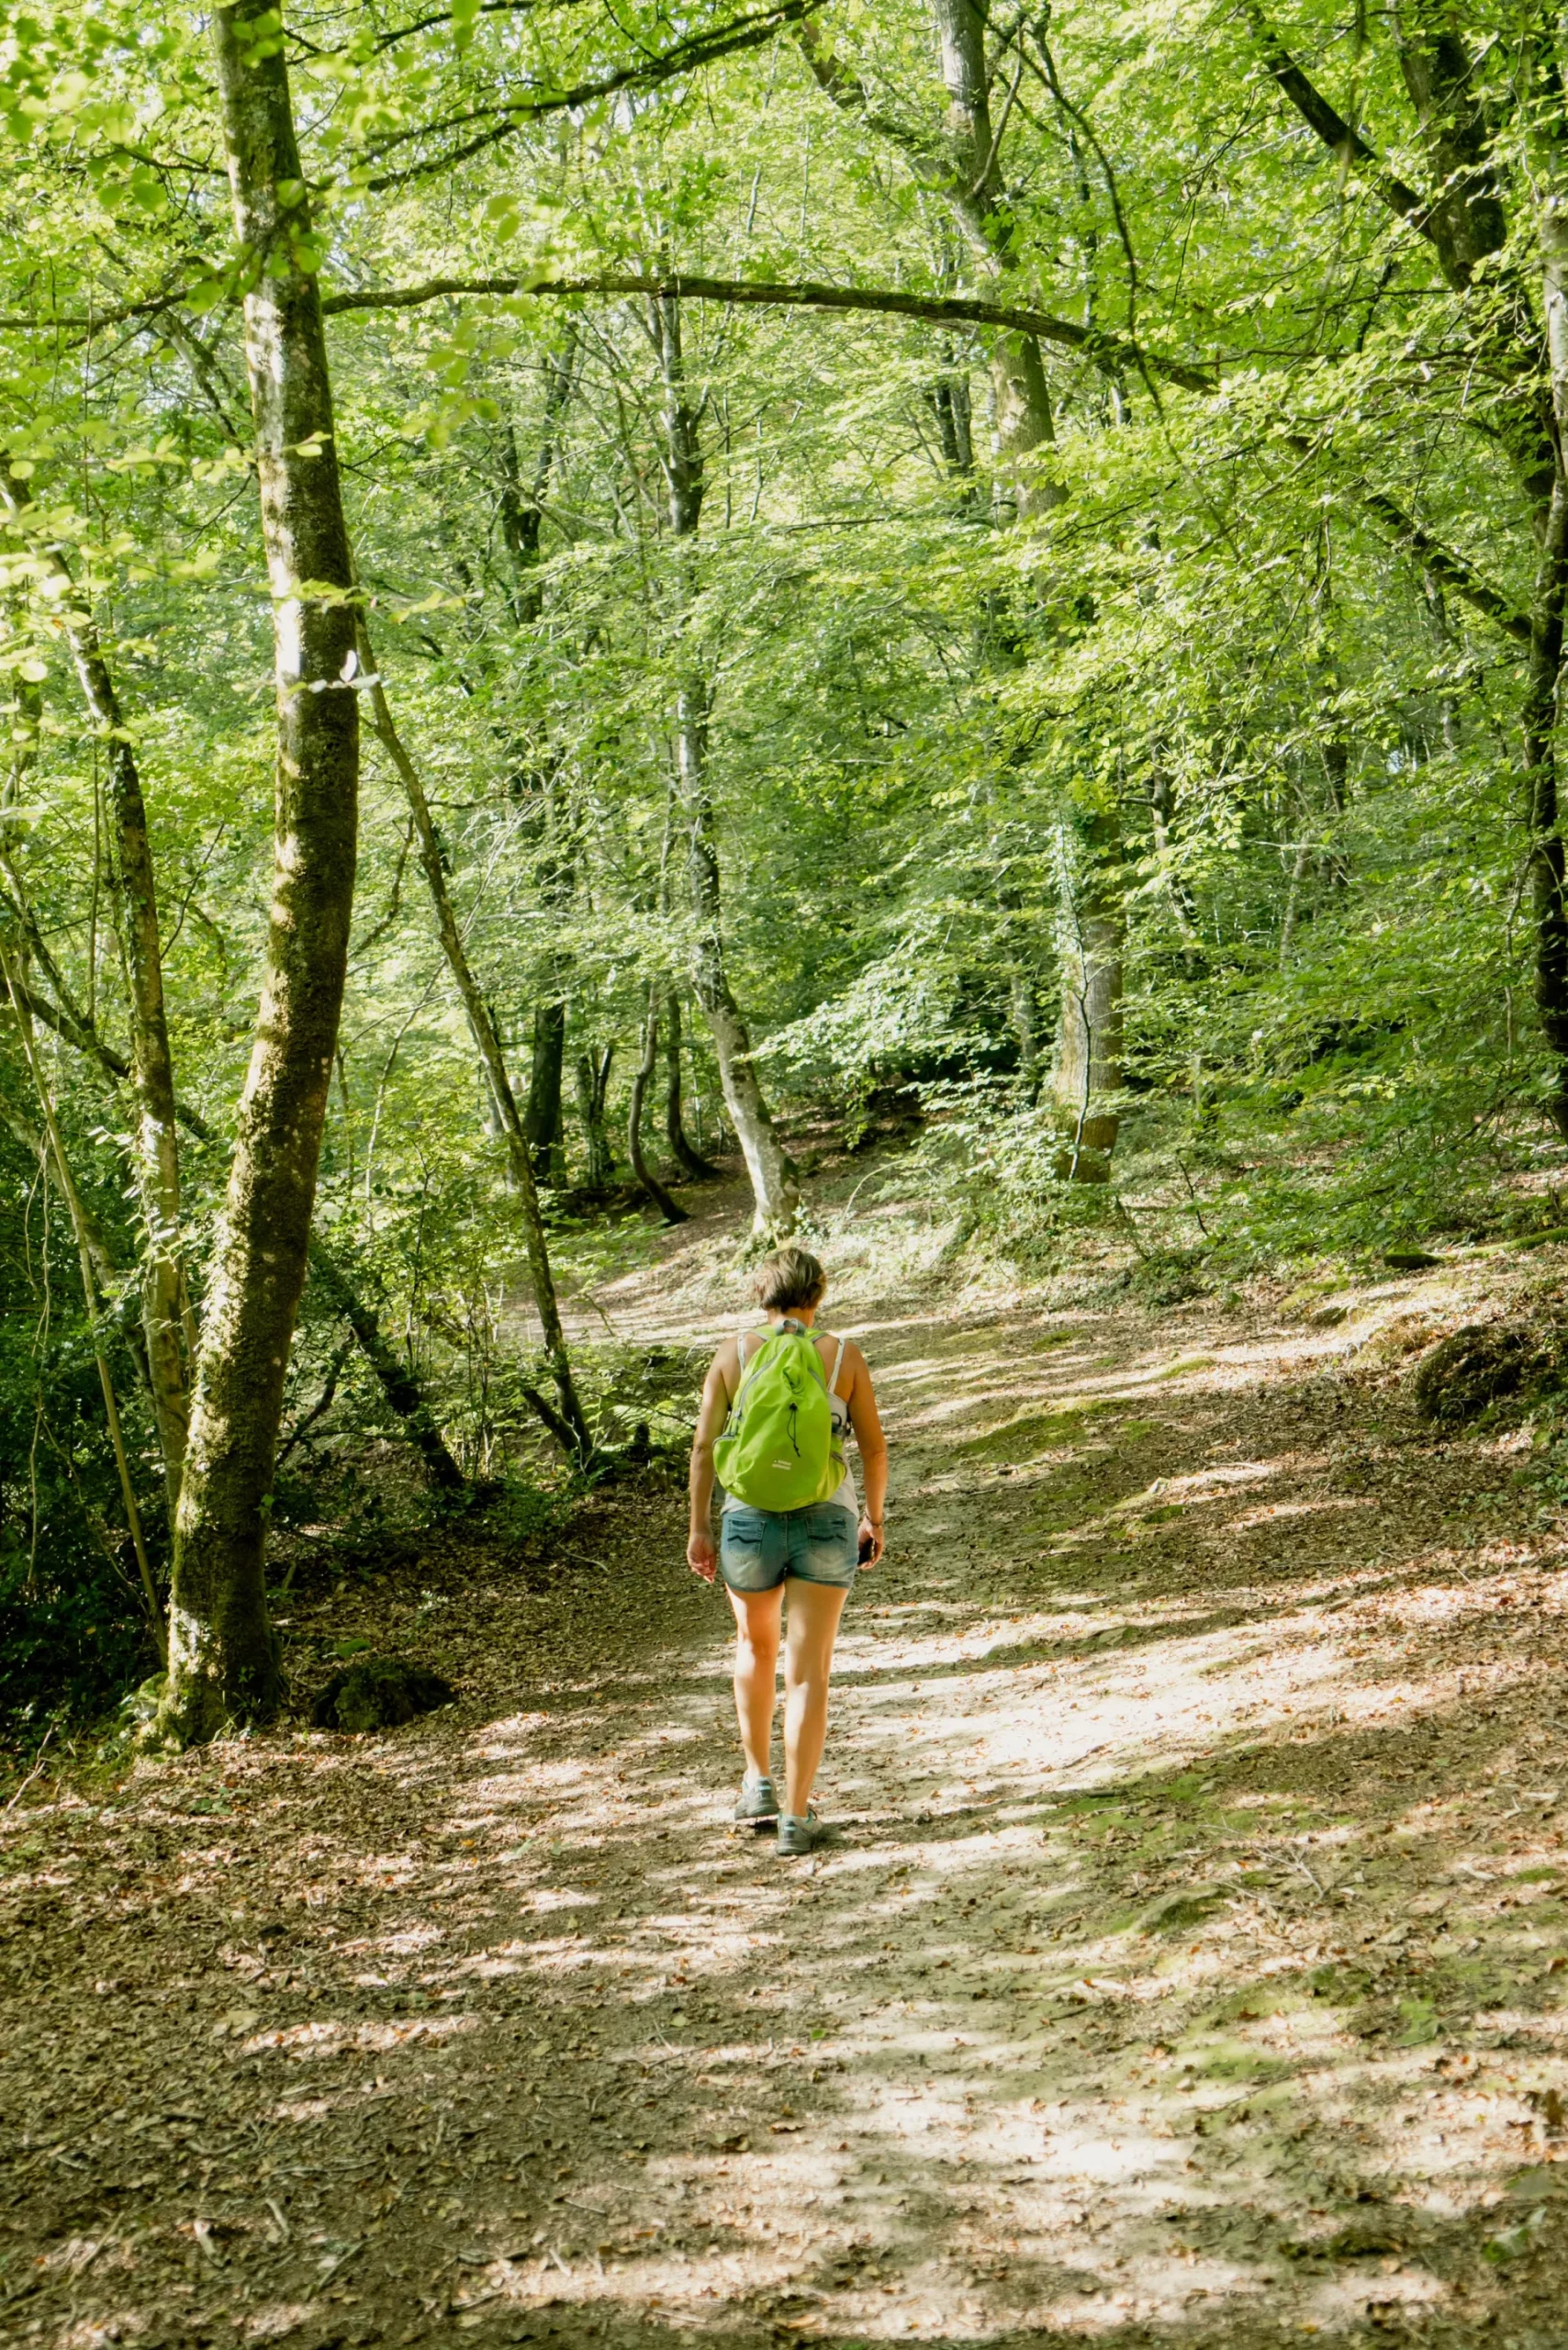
[844, 1495]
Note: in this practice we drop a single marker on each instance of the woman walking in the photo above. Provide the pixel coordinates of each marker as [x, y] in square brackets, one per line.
[776, 1407]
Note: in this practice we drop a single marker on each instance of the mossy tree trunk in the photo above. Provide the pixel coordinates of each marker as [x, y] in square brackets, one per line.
[224, 1661]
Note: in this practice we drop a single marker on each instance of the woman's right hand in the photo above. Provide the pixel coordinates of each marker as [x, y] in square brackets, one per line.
[701, 1556]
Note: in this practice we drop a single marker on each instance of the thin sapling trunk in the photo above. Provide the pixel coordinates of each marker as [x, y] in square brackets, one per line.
[568, 1417]
[682, 1149]
[642, 1077]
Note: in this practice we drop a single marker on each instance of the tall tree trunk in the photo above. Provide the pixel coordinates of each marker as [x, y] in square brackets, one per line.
[591, 1070]
[522, 516]
[557, 880]
[1299, 863]
[169, 1330]
[541, 1117]
[523, 504]
[1088, 1031]
[1335, 737]
[949, 401]
[642, 1077]
[775, 1193]
[1543, 709]
[1020, 393]
[689, 1160]
[224, 1661]
[1542, 814]
[774, 1189]
[1089, 1047]
[487, 1039]
[165, 1307]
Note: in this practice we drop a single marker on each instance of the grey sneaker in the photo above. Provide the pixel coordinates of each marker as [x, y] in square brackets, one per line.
[756, 1800]
[798, 1837]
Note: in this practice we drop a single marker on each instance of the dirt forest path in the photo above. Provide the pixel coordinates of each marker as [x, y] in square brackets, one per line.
[1193, 1968]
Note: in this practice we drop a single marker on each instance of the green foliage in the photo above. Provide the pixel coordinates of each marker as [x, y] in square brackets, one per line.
[72, 1628]
[1211, 690]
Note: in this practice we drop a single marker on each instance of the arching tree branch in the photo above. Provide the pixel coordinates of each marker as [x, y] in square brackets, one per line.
[1110, 352]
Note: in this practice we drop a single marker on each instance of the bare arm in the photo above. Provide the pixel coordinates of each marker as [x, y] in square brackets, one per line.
[866, 1424]
[701, 1553]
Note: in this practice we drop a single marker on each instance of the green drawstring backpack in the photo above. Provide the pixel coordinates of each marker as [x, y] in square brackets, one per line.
[779, 1449]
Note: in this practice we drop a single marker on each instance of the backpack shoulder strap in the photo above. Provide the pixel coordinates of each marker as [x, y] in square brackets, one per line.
[740, 1355]
[837, 1366]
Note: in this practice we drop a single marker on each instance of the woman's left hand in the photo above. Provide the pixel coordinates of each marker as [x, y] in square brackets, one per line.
[701, 1555]
[872, 1534]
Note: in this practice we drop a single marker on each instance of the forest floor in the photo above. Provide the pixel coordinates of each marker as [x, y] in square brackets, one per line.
[1193, 1969]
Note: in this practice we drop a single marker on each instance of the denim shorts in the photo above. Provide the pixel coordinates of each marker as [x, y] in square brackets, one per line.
[760, 1547]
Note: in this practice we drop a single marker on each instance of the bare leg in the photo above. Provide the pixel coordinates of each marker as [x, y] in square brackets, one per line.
[814, 1611]
[757, 1672]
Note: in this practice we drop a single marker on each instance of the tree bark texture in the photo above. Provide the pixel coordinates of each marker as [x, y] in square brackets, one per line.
[224, 1661]
[168, 1327]
[775, 1192]
[1022, 402]
[487, 1039]
[166, 1316]
[1466, 221]
[1089, 1037]
[541, 1117]
[642, 1077]
[949, 402]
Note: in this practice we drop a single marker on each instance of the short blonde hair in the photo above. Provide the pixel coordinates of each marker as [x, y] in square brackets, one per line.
[790, 1276]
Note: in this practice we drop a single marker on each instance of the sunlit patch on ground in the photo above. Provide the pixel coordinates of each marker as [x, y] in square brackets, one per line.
[1194, 1970]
